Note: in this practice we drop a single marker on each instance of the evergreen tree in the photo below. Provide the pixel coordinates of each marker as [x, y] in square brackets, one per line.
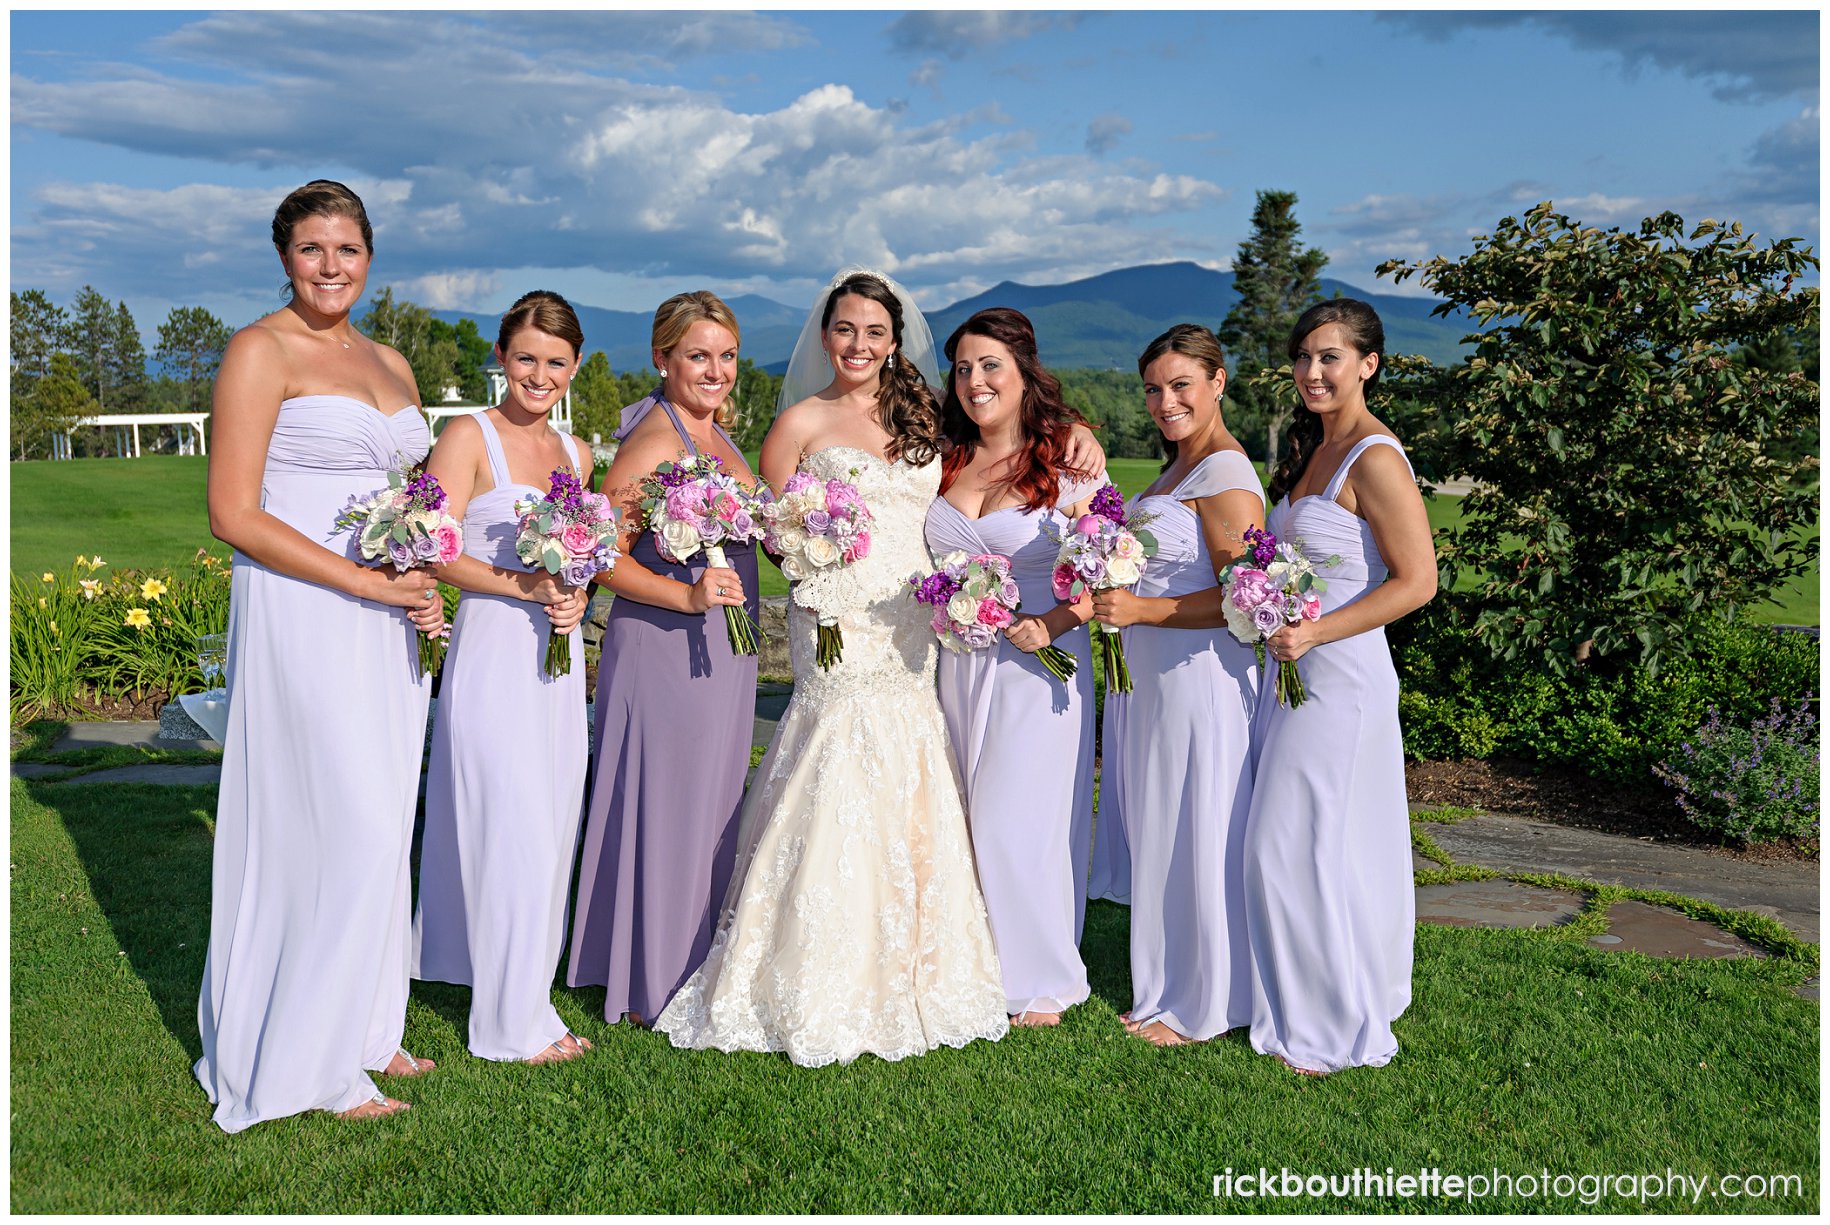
[1277, 280]
[126, 360]
[55, 400]
[92, 338]
[191, 342]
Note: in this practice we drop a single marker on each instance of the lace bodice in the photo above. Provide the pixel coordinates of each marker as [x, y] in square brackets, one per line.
[888, 645]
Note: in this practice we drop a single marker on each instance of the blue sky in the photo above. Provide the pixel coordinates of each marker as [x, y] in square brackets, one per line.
[622, 157]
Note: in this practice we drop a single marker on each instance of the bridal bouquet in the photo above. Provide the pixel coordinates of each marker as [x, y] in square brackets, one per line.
[406, 524]
[974, 598]
[690, 505]
[813, 526]
[569, 532]
[1107, 547]
[1272, 586]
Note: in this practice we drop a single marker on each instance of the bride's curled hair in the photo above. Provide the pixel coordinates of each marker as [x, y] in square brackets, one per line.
[905, 403]
[1047, 421]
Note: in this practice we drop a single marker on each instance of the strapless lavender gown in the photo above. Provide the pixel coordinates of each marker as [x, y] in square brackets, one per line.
[1328, 892]
[305, 984]
[1183, 737]
[675, 715]
[1023, 742]
[504, 795]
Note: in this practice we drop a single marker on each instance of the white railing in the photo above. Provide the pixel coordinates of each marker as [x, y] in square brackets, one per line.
[438, 414]
[126, 427]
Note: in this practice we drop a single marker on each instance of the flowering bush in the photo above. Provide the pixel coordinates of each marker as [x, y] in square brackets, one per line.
[78, 637]
[1752, 784]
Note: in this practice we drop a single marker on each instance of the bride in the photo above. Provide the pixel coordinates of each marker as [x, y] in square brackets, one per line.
[855, 922]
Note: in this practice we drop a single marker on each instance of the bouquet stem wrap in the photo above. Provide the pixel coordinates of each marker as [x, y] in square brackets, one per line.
[739, 626]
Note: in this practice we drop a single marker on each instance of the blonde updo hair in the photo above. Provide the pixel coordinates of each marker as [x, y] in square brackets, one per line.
[674, 317]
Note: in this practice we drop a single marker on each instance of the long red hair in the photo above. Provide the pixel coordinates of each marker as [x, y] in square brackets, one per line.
[1034, 473]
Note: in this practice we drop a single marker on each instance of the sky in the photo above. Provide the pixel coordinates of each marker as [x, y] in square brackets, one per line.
[620, 157]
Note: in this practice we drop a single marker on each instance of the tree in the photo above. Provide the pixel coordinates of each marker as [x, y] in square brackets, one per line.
[55, 400]
[92, 336]
[126, 360]
[1631, 474]
[1277, 280]
[595, 403]
[409, 328]
[191, 343]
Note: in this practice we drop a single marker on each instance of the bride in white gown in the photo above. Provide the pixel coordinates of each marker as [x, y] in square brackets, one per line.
[855, 923]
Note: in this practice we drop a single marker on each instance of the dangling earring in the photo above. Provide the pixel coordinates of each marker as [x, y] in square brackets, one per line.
[890, 360]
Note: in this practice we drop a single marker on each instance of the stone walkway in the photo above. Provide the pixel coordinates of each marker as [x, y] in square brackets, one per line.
[1786, 892]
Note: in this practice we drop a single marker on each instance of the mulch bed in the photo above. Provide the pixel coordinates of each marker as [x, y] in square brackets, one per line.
[1638, 810]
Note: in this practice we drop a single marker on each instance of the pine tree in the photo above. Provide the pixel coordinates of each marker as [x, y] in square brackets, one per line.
[1277, 280]
[191, 343]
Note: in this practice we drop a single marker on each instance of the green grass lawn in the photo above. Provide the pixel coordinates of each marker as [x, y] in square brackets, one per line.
[1523, 1051]
[150, 512]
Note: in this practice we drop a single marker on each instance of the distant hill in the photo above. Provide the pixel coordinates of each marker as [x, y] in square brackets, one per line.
[1102, 321]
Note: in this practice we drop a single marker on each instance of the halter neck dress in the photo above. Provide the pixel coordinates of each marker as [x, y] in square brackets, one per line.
[675, 717]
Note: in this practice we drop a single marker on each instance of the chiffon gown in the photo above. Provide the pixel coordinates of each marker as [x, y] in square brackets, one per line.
[1328, 892]
[676, 712]
[305, 982]
[1023, 742]
[855, 924]
[1183, 736]
[504, 795]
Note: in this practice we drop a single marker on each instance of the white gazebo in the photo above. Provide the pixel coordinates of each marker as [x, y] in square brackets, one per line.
[126, 432]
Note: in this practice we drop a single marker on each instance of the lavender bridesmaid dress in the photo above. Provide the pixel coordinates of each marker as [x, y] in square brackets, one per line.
[1109, 878]
[675, 715]
[1328, 894]
[305, 983]
[1023, 742]
[504, 795]
[1184, 739]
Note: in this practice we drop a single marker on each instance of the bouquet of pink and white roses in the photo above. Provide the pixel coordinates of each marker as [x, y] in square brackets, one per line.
[974, 599]
[1107, 547]
[570, 532]
[1272, 586]
[406, 525]
[690, 505]
[813, 526]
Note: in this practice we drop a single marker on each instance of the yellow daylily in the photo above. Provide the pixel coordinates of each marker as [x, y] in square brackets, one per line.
[137, 618]
[55, 630]
[151, 589]
[49, 577]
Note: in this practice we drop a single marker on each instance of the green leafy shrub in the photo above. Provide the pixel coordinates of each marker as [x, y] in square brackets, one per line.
[1753, 784]
[1458, 700]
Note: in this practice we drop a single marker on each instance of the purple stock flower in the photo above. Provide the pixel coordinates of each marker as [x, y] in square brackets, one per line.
[1109, 504]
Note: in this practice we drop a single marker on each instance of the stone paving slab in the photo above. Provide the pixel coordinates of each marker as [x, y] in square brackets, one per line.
[1421, 864]
[1496, 903]
[36, 769]
[1787, 892]
[1658, 932]
[169, 775]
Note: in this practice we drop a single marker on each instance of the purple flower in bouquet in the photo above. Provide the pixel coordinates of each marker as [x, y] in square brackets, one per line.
[1272, 586]
[1269, 616]
[406, 526]
[817, 522]
[570, 533]
[974, 600]
[691, 506]
[1109, 503]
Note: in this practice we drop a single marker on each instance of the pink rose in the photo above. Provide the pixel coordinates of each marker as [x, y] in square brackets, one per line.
[860, 548]
[724, 505]
[578, 540]
[993, 614]
[1064, 582]
[450, 543]
[1312, 606]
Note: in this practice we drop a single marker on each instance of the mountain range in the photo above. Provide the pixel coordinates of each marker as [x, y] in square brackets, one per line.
[1102, 321]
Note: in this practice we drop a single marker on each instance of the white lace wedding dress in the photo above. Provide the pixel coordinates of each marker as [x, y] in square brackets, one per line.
[855, 924]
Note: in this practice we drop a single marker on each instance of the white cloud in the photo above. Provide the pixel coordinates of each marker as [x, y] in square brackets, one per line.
[524, 160]
[957, 34]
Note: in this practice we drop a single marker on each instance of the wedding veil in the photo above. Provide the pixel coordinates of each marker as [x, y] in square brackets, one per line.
[810, 371]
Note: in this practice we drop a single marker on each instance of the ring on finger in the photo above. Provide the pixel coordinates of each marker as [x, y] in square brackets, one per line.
[430, 592]
[724, 591]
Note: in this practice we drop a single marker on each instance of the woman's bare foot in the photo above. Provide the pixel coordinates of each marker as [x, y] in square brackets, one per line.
[1158, 1034]
[378, 1107]
[1029, 1019]
[1300, 1071]
[403, 1064]
[569, 1047]
[635, 1019]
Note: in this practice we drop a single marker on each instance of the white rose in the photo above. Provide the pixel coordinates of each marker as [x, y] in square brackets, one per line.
[1240, 622]
[963, 608]
[821, 552]
[1123, 571]
[1279, 574]
[681, 539]
[958, 557]
[791, 540]
[793, 570]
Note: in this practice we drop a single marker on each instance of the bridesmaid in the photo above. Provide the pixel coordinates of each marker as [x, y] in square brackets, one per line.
[1328, 890]
[502, 812]
[305, 984]
[1022, 739]
[1182, 737]
[675, 708]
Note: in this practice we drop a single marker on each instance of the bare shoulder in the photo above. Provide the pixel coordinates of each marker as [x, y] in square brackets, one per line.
[650, 443]
[261, 341]
[397, 365]
[460, 436]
